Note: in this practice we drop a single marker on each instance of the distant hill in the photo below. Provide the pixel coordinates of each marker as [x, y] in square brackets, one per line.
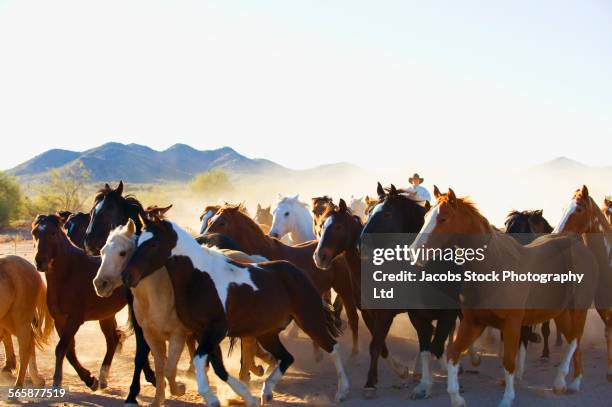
[142, 164]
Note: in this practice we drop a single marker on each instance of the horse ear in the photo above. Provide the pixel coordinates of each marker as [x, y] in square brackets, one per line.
[427, 205]
[539, 212]
[258, 207]
[380, 191]
[107, 187]
[607, 202]
[269, 208]
[393, 190]
[584, 191]
[437, 192]
[130, 228]
[38, 218]
[162, 211]
[451, 196]
[296, 197]
[342, 205]
[119, 189]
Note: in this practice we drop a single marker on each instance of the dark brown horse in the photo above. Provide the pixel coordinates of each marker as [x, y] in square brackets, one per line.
[231, 222]
[76, 227]
[217, 297]
[71, 297]
[319, 205]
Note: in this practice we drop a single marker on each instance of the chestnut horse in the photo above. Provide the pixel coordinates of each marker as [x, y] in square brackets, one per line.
[263, 216]
[456, 222]
[217, 297]
[24, 313]
[71, 297]
[231, 222]
[526, 226]
[586, 219]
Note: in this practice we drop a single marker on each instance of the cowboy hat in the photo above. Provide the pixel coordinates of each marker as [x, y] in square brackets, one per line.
[415, 176]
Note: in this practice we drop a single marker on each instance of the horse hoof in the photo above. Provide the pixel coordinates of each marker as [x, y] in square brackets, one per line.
[369, 393]
[94, 385]
[130, 404]
[560, 390]
[266, 398]
[341, 396]
[420, 394]
[178, 389]
[475, 360]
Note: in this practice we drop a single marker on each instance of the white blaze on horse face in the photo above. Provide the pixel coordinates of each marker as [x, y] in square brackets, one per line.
[431, 219]
[144, 237]
[208, 215]
[213, 262]
[566, 215]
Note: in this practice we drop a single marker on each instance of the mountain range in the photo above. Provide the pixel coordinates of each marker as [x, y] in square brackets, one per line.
[142, 164]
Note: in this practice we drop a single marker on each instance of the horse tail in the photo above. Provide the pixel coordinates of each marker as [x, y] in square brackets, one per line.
[305, 299]
[42, 323]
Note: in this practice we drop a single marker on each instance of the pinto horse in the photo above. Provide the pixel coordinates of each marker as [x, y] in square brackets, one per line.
[607, 209]
[24, 313]
[319, 205]
[215, 297]
[583, 217]
[231, 222]
[456, 222]
[526, 226]
[397, 213]
[71, 297]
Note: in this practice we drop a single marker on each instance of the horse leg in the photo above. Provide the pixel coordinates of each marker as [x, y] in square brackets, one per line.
[424, 330]
[444, 329]
[467, 333]
[564, 324]
[247, 355]
[395, 365]
[265, 356]
[381, 329]
[272, 344]
[344, 289]
[158, 350]
[66, 349]
[606, 317]
[208, 349]
[511, 331]
[578, 320]
[559, 338]
[9, 352]
[175, 348]
[191, 347]
[37, 380]
[24, 339]
[109, 329]
[141, 360]
[545, 335]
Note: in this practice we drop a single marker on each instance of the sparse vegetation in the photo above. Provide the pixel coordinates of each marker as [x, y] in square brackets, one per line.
[211, 184]
[10, 199]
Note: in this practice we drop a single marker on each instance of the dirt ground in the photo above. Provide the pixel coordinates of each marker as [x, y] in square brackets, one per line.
[314, 384]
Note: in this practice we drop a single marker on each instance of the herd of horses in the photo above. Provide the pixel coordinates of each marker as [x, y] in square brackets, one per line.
[249, 278]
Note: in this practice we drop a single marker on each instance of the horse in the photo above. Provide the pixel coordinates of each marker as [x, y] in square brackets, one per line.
[215, 297]
[607, 209]
[370, 204]
[358, 207]
[456, 223]
[208, 212]
[10, 362]
[76, 226]
[263, 216]
[396, 213]
[71, 297]
[154, 306]
[24, 313]
[526, 226]
[319, 205]
[231, 222]
[292, 217]
[584, 217]
[111, 209]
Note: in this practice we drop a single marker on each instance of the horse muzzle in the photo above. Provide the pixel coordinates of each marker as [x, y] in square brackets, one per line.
[321, 259]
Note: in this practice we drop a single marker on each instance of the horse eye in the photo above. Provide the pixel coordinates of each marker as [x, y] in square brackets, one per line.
[286, 213]
[122, 253]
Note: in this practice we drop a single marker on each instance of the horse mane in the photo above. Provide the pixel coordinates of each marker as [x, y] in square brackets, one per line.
[238, 209]
[129, 200]
[288, 199]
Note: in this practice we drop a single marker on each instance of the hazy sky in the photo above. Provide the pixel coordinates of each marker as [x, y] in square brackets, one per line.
[377, 83]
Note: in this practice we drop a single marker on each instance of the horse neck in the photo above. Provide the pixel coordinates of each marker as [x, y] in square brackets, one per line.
[134, 213]
[302, 230]
[598, 238]
[156, 291]
[67, 256]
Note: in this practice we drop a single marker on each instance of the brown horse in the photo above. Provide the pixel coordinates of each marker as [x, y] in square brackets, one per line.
[231, 222]
[607, 209]
[456, 222]
[586, 219]
[71, 297]
[24, 313]
[263, 216]
[217, 297]
[319, 205]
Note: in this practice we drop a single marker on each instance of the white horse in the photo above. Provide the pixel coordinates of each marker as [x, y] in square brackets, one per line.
[358, 207]
[292, 217]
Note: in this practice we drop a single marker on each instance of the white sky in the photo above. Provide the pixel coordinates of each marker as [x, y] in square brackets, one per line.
[377, 83]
